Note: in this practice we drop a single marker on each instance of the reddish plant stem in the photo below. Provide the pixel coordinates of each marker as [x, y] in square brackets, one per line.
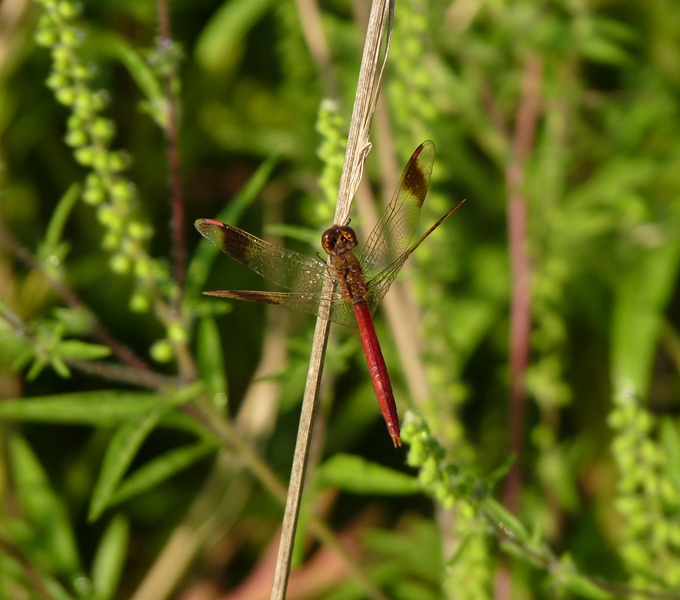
[172, 142]
[520, 310]
[99, 332]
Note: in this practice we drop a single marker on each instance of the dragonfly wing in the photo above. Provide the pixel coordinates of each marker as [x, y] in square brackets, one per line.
[286, 268]
[341, 311]
[378, 286]
[392, 235]
[381, 282]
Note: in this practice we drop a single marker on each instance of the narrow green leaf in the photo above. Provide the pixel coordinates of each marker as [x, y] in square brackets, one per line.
[36, 368]
[584, 588]
[159, 469]
[181, 421]
[215, 48]
[598, 49]
[211, 359]
[516, 550]
[109, 559]
[357, 475]
[59, 217]
[54, 543]
[460, 550]
[103, 408]
[504, 519]
[120, 453]
[60, 367]
[501, 471]
[643, 294]
[124, 446]
[77, 350]
[139, 69]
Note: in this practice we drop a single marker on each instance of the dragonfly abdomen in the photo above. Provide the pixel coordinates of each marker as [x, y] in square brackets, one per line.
[378, 371]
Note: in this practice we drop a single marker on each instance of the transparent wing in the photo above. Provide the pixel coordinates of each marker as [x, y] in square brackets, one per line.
[286, 268]
[378, 286]
[302, 275]
[341, 311]
[392, 235]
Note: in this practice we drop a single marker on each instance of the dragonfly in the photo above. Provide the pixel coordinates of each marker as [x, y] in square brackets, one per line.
[361, 279]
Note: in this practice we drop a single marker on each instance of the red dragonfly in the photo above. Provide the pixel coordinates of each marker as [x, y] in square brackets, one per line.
[362, 280]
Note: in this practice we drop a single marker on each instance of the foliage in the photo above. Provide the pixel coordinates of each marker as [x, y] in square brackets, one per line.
[136, 409]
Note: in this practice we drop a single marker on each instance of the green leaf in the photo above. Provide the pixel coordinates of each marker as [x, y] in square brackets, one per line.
[577, 583]
[102, 408]
[60, 367]
[160, 469]
[54, 543]
[217, 46]
[77, 350]
[604, 42]
[355, 474]
[120, 453]
[599, 49]
[36, 368]
[125, 444]
[460, 549]
[58, 221]
[504, 519]
[210, 358]
[139, 69]
[584, 588]
[501, 471]
[644, 292]
[109, 559]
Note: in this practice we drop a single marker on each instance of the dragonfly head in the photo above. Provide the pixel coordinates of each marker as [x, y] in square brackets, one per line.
[338, 239]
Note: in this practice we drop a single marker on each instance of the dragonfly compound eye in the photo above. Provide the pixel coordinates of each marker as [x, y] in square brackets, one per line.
[338, 238]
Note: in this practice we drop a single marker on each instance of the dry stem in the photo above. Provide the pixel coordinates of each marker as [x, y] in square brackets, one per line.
[358, 147]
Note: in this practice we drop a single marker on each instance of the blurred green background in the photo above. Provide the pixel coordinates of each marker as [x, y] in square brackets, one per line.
[569, 107]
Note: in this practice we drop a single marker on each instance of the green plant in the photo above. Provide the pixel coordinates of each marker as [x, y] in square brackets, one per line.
[540, 369]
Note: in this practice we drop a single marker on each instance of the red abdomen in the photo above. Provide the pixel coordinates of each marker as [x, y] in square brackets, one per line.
[378, 370]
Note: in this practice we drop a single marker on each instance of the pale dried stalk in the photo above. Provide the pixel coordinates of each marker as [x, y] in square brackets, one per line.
[358, 146]
[365, 102]
[399, 305]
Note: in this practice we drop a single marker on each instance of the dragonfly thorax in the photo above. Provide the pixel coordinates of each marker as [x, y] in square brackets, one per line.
[338, 239]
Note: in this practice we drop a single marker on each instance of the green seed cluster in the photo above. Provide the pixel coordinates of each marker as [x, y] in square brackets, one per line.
[439, 476]
[90, 135]
[648, 495]
[332, 128]
[468, 572]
